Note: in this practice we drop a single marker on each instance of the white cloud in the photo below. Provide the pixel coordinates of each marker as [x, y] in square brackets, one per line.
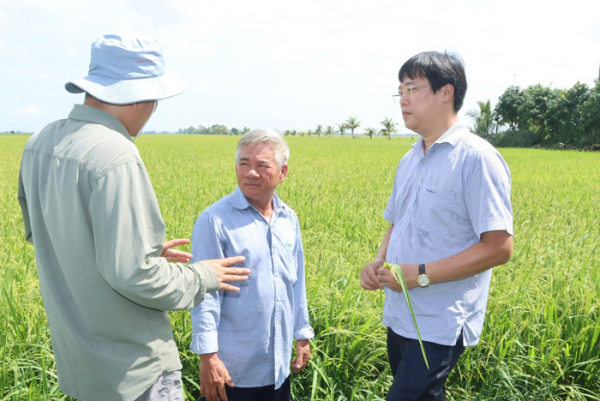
[31, 110]
[298, 63]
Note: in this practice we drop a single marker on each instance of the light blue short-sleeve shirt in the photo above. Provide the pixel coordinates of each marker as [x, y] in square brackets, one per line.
[440, 205]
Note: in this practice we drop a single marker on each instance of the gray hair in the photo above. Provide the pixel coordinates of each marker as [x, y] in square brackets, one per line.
[262, 137]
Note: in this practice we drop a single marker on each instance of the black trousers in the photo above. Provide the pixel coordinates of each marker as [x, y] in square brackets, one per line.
[412, 380]
[266, 393]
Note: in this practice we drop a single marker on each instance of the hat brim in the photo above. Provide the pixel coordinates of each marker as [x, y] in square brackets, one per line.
[128, 91]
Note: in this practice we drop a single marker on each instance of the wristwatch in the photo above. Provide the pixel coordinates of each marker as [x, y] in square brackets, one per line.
[422, 278]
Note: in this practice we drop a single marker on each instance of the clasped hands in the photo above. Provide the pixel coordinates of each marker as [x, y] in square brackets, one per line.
[374, 276]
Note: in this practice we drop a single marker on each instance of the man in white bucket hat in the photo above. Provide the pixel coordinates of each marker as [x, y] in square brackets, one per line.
[127, 69]
[106, 275]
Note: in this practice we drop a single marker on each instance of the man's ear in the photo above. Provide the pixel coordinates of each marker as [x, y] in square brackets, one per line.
[448, 92]
[283, 174]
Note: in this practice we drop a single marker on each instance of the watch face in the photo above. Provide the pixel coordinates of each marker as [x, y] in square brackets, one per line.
[423, 280]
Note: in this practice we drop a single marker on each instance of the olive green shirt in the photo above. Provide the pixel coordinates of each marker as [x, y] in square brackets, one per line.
[97, 232]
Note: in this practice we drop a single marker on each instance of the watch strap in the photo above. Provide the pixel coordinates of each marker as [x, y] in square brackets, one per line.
[421, 269]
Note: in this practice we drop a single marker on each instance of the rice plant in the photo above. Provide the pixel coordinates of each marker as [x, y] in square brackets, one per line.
[541, 336]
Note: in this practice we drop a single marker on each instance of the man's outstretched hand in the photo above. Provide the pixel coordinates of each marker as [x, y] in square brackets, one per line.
[225, 274]
[175, 255]
[229, 274]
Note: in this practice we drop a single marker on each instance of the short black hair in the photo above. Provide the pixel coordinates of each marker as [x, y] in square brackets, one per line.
[440, 69]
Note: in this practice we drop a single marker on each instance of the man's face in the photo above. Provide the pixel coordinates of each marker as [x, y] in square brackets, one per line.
[257, 172]
[421, 109]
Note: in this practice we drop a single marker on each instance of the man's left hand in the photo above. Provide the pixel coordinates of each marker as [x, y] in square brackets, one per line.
[302, 356]
[174, 255]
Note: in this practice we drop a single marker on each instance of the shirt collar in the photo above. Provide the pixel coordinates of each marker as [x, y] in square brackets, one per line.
[451, 136]
[90, 114]
[241, 202]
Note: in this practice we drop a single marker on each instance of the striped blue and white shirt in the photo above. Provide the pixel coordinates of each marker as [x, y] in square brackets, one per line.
[440, 205]
[252, 331]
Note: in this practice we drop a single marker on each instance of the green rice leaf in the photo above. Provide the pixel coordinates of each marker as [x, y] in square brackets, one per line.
[397, 272]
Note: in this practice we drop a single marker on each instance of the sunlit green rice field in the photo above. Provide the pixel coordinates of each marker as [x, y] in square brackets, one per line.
[541, 336]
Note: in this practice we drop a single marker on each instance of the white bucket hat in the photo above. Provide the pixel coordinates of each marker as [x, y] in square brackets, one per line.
[127, 68]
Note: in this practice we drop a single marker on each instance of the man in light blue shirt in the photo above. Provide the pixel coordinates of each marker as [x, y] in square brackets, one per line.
[450, 223]
[245, 340]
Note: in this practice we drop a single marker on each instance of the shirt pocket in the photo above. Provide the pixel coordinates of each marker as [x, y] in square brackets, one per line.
[442, 210]
[439, 195]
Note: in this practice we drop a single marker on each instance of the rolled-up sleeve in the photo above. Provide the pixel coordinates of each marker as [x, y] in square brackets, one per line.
[302, 328]
[205, 317]
[128, 233]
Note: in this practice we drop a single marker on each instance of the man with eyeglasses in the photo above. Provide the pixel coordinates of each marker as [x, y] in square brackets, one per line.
[106, 275]
[450, 223]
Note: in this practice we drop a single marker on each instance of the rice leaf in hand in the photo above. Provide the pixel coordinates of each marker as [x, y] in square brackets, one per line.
[397, 272]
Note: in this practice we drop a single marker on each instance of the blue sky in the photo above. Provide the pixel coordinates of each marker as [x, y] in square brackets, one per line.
[292, 64]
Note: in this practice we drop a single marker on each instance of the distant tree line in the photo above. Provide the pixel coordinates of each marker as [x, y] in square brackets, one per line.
[540, 116]
[215, 129]
[388, 127]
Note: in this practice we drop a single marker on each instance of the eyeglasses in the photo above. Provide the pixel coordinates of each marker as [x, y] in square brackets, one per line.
[406, 93]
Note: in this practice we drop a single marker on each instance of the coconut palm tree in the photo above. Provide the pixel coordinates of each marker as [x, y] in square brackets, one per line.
[319, 130]
[370, 132]
[484, 122]
[389, 127]
[293, 132]
[352, 123]
[342, 129]
[245, 129]
[309, 133]
[329, 130]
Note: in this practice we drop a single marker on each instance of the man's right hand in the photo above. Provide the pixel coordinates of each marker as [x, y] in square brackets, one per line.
[368, 276]
[213, 377]
[228, 274]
